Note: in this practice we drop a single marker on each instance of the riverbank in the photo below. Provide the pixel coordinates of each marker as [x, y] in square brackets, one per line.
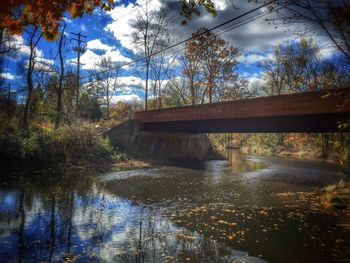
[80, 144]
[338, 196]
[330, 147]
[311, 154]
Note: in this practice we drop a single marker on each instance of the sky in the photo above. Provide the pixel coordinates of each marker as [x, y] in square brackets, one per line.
[108, 34]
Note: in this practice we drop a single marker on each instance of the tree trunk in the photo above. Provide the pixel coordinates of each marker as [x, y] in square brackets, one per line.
[146, 91]
[30, 86]
[280, 139]
[52, 228]
[60, 83]
[21, 229]
[25, 118]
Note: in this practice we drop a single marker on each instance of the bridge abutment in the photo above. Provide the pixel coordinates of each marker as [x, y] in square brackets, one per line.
[163, 145]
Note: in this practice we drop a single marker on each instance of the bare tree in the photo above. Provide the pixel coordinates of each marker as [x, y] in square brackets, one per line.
[6, 42]
[34, 38]
[295, 67]
[107, 81]
[329, 18]
[161, 70]
[7, 46]
[59, 89]
[333, 76]
[176, 94]
[149, 31]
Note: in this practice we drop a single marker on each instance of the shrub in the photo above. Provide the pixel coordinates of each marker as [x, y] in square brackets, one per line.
[43, 145]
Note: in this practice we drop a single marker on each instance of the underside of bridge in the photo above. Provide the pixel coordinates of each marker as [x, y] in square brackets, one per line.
[297, 123]
[321, 111]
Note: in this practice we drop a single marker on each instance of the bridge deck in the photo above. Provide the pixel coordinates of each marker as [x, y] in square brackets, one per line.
[319, 111]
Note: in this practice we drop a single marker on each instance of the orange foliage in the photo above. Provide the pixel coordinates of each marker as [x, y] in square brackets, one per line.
[122, 110]
[47, 14]
[297, 139]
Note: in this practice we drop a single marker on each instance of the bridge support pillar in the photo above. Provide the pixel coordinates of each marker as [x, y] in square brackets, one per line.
[164, 145]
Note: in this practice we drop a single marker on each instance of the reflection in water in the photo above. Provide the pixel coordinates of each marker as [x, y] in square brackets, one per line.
[246, 209]
[140, 257]
[239, 164]
[21, 226]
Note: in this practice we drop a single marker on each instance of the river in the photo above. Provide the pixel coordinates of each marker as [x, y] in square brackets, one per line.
[245, 209]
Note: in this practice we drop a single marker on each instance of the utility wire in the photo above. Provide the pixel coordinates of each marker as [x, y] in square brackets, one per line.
[133, 10]
[185, 40]
[239, 24]
[247, 21]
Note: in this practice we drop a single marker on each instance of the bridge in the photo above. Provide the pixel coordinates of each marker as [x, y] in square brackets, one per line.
[319, 111]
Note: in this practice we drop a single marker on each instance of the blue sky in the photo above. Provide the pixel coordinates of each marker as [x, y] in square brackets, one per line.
[108, 35]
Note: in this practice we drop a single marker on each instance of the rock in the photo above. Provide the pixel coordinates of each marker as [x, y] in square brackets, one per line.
[345, 191]
[341, 183]
[338, 203]
[330, 188]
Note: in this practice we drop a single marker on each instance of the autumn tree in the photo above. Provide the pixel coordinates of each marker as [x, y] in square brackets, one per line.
[45, 15]
[48, 15]
[191, 69]
[215, 61]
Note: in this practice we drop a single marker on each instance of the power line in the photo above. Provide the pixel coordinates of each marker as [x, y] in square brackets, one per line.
[239, 24]
[247, 21]
[185, 40]
[138, 6]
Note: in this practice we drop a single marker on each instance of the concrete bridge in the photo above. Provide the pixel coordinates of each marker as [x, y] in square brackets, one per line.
[320, 111]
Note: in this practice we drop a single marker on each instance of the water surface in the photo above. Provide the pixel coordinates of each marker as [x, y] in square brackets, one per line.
[246, 209]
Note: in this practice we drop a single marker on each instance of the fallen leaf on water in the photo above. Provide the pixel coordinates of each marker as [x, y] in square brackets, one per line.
[263, 212]
[227, 223]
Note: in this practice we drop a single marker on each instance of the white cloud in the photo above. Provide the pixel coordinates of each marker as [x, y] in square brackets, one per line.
[126, 98]
[90, 59]
[255, 81]
[24, 51]
[256, 36]
[83, 28]
[128, 88]
[8, 76]
[123, 15]
[251, 58]
[43, 64]
[67, 20]
[327, 52]
[131, 81]
[223, 4]
[23, 48]
[97, 44]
